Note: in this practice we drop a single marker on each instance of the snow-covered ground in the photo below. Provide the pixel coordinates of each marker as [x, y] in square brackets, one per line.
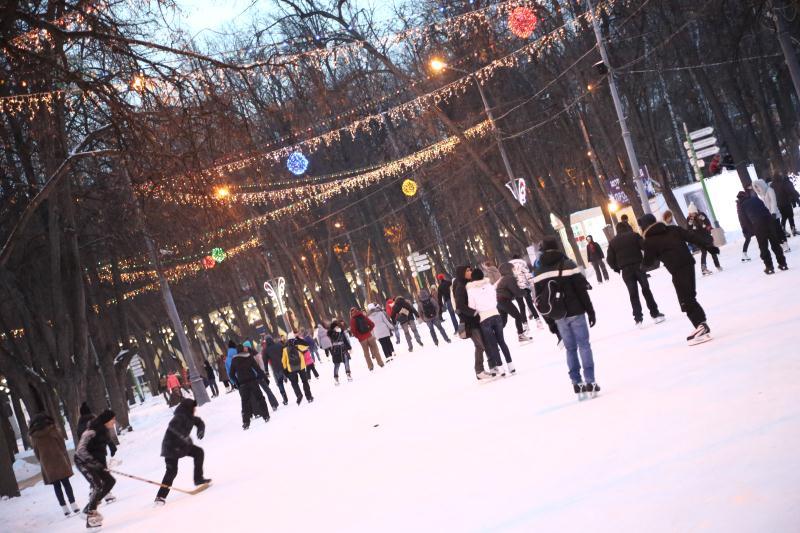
[680, 439]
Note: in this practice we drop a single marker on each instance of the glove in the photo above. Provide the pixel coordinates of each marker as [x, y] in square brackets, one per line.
[201, 432]
[592, 320]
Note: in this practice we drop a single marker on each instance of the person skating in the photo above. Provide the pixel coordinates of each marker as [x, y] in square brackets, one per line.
[90, 460]
[382, 330]
[362, 327]
[785, 197]
[578, 313]
[594, 253]
[174, 390]
[50, 450]
[294, 364]
[699, 223]
[86, 416]
[470, 319]
[625, 256]
[178, 443]
[443, 296]
[223, 374]
[389, 307]
[668, 245]
[525, 282]
[508, 291]
[340, 350]
[246, 374]
[490, 271]
[312, 344]
[482, 296]
[767, 195]
[273, 352]
[309, 358]
[323, 340]
[405, 314]
[756, 220]
[211, 379]
[263, 378]
[430, 314]
[747, 232]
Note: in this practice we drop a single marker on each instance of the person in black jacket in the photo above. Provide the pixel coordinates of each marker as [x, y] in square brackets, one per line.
[443, 295]
[747, 230]
[756, 218]
[594, 253]
[625, 255]
[245, 373]
[785, 196]
[698, 222]
[90, 460]
[211, 379]
[470, 318]
[273, 352]
[668, 244]
[177, 443]
[508, 292]
[405, 314]
[555, 266]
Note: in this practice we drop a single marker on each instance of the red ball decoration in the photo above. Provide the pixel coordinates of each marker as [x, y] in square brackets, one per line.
[208, 262]
[522, 21]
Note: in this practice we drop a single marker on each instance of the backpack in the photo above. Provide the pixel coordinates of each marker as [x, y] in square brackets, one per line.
[550, 301]
[295, 363]
[361, 324]
[428, 309]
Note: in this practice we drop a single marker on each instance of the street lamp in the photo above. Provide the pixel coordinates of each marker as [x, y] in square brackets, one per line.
[222, 192]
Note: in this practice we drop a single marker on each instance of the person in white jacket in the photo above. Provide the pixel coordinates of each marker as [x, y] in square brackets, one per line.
[767, 195]
[525, 283]
[323, 340]
[382, 330]
[482, 296]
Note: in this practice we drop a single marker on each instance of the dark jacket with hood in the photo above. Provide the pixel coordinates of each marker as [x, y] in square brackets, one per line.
[443, 294]
[754, 216]
[401, 304]
[594, 252]
[177, 442]
[468, 315]
[340, 344]
[273, 352]
[625, 250]
[95, 440]
[785, 193]
[668, 244]
[572, 282]
[508, 288]
[244, 369]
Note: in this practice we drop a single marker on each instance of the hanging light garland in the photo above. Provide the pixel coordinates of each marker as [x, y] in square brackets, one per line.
[409, 187]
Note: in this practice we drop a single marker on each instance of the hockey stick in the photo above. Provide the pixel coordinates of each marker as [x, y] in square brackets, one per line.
[199, 488]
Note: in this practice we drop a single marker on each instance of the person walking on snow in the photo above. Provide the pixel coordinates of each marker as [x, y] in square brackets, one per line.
[362, 327]
[211, 380]
[443, 298]
[429, 312]
[340, 350]
[294, 364]
[508, 292]
[90, 460]
[482, 296]
[747, 230]
[470, 319]
[785, 197]
[246, 375]
[756, 220]
[668, 245]
[273, 352]
[525, 282]
[50, 450]
[223, 374]
[382, 330]
[312, 344]
[594, 253]
[625, 256]
[323, 340]
[767, 195]
[404, 313]
[263, 377]
[309, 357]
[177, 443]
[698, 222]
[555, 268]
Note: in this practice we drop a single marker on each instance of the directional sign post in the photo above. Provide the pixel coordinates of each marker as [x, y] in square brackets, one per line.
[699, 145]
[419, 263]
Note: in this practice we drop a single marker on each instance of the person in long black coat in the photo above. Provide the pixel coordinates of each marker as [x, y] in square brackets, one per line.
[756, 218]
[594, 253]
[246, 374]
[785, 196]
[177, 443]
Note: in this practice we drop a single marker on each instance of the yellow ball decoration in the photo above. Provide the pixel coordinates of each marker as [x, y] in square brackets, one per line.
[409, 187]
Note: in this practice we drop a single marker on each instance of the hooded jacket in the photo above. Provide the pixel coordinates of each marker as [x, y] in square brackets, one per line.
[572, 282]
[767, 195]
[403, 311]
[94, 441]
[301, 347]
[594, 252]
[244, 369]
[482, 295]
[322, 338]
[48, 445]
[370, 325]
[177, 442]
[508, 287]
[754, 216]
[425, 296]
[273, 352]
[383, 328]
[468, 314]
[785, 193]
[443, 294]
[340, 344]
[624, 250]
[668, 244]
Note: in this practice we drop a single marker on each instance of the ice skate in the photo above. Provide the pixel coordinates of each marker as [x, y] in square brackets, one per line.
[75, 508]
[659, 318]
[524, 338]
[745, 257]
[66, 510]
[783, 267]
[349, 377]
[700, 335]
[336, 381]
[639, 324]
[110, 498]
[579, 392]
[719, 268]
[484, 376]
[705, 271]
[93, 520]
[246, 426]
[159, 501]
[786, 248]
[769, 270]
[591, 389]
[511, 368]
[525, 327]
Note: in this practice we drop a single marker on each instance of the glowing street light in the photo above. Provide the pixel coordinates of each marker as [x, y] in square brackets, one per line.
[222, 193]
[337, 225]
[613, 206]
[437, 65]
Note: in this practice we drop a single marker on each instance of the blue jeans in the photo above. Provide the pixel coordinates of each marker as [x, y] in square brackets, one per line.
[449, 306]
[346, 361]
[574, 331]
[492, 329]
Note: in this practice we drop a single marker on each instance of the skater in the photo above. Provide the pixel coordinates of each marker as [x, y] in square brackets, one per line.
[90, 460]
[50, 450]
[382, 330]
[508, 291]
[340, 350]
[405, 314]
[174, 391]
[312, 344]
[177, 443]
[396, 326]
[273, 352]
[323, 340]
[430, 314]
[211, 380]
[525, 282]
[767, 195]
[744, 223]
[482, 296]
[362, 327]
[594, 253]
[309, 357]
[699, 223]
[470, 319]
[785, 197]
[443, 297]
[757, 220]
[555, 268]
[263, 379]
[668, 245]
[86, 416]
[625, 256]
[223, 374]
[245, 374]
[294, 364]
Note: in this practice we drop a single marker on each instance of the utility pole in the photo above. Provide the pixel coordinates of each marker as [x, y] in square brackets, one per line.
[626, 134]
[779, 8]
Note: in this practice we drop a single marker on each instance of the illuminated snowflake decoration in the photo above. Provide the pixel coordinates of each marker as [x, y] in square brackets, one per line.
[297, 163]
[522, 21]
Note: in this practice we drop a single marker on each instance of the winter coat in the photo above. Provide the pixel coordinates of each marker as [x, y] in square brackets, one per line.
[508, 287]
[273, 352]
[521, 272]
[594, 252]
[48, 445]
[229, 359]
[754, 216]
[173, 382]
[491, 272]
[403, 311]
[309, 358]
[625, 250]
[259, 358]
[468, 315]
[572, 282]
[699, 222]
[209, 372]
[785, 193]
[93, 443]
[301, 347]
[370, 326]
[383, 328]
[221, 370]
[668, 244]
[423, 297]
[482, 295]
[244, 369]
[340, 345]
[767, 195]
[177, 442]
[443, 294]
[322, 338]
[744, 222]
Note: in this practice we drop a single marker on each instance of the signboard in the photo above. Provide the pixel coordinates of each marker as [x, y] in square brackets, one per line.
[708, 152]
[419, 262]
[705, 143]
[699, 134]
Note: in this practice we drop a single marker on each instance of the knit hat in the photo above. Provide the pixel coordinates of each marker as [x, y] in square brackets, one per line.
[440, 277]
[105, 416]
[692, 209]
[85, 410]
[247, 344]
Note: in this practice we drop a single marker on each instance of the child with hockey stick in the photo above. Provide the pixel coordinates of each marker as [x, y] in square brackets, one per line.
[90, 460]
[177, 443]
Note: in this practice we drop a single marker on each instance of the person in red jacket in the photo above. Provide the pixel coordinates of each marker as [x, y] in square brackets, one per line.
[362, 327]
[395, 325]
